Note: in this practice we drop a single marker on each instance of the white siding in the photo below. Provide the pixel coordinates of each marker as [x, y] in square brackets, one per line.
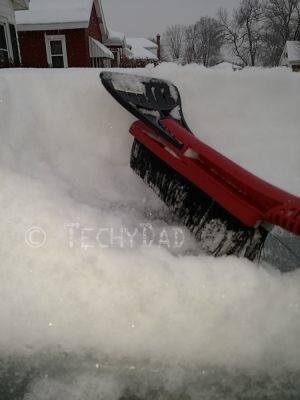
[7, 12]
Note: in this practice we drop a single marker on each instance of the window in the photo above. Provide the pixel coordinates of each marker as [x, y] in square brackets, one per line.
[3, 46]
[56, 51]
[9, 49]
[14, 44]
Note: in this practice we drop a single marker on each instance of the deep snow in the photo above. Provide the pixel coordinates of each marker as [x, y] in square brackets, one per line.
[116, 285]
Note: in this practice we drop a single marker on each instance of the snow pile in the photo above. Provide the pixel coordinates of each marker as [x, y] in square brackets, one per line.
[90, 259]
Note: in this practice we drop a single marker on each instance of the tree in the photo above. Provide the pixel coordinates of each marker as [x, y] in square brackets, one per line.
[244, 32]
[203, 42]
[173, 39]
[190, 44]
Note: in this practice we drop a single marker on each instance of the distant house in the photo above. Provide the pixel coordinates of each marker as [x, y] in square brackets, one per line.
[140, 48]
[291, 55]
[116, 42]
[63, 33]
[9, 49]
[140, 52]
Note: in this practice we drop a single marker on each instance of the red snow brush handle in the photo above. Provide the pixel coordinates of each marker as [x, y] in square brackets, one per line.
[286, 215]
[244, 195]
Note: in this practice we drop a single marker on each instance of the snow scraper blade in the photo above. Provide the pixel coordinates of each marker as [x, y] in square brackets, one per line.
[148, 99]
[229, 210]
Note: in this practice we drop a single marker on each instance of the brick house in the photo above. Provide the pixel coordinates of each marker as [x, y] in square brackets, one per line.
[63, 33]
[9, 49]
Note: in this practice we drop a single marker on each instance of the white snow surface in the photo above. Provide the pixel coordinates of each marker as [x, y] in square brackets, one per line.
[64, 168]
[226, 65]
[55, 11]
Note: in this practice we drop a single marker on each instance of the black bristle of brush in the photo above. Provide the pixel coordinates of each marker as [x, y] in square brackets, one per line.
[218, 232]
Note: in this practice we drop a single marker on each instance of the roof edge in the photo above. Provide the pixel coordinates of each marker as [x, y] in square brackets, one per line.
[52, 26]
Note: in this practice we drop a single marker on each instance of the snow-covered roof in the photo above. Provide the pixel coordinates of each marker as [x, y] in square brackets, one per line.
[140, 48]
[141, 42]
[226, 65]
[115, 39]
[293, 50]
[46, 14]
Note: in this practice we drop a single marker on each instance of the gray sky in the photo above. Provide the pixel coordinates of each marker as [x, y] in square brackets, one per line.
[146, 18]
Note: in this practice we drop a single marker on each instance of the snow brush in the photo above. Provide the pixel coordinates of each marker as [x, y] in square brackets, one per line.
[227, 209]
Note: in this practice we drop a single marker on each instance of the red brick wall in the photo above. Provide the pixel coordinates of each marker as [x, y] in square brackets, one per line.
[33, 47]
[94, 27]
[77, 48]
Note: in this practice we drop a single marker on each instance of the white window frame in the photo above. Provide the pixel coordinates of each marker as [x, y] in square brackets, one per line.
[5, 24]
[62, 38]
